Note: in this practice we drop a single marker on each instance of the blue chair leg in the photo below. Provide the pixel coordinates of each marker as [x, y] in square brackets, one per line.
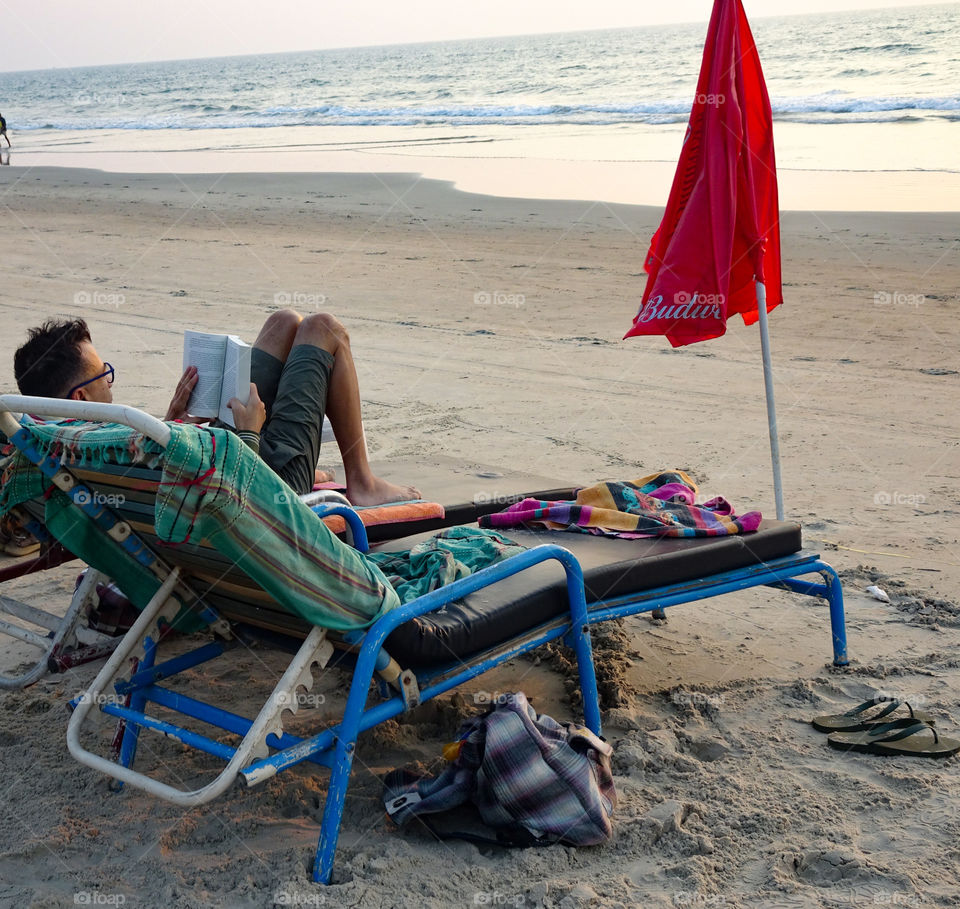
[579, 639]
[588, 677]
[342, 762]
[137, 701]
[838, 626]
[333, 811]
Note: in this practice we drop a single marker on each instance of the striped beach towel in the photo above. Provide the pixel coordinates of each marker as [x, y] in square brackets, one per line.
[213, 488]
[216, 488]
[660, 505]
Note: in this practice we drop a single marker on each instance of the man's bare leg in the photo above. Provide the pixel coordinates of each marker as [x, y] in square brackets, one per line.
[276, 338]
[343, 409]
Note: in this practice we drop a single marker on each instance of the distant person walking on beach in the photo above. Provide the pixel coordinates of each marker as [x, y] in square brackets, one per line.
[3, 130]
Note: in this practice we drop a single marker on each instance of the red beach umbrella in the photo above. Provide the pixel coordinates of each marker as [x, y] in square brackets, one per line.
[717, 249]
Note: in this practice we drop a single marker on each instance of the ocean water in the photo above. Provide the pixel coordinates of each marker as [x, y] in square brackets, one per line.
[866, 111]
[852, 67]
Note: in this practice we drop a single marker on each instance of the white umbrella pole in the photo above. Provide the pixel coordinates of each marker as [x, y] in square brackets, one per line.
[771, 405]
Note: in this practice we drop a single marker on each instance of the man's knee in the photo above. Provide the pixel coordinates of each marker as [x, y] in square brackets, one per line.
[322, 330]
[278, 332]
[282, 323]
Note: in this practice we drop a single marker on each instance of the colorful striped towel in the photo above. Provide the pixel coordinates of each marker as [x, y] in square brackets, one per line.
[213, 488]
[660, 505]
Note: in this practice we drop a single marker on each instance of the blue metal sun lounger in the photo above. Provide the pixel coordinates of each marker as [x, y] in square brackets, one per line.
[414, 652]
[82, 635]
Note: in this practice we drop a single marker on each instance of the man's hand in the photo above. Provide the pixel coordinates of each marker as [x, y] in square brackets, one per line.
[249, 416]
[181, 397]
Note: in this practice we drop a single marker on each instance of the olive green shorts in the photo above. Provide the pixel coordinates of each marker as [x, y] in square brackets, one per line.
[295, 396]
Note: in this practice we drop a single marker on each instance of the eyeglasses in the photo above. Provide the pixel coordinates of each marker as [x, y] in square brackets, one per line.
[107, 374]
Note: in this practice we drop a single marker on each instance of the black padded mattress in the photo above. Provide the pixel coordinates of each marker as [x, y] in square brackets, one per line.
[611, 567]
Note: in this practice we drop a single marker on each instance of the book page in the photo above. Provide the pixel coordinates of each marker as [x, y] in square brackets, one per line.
[206, 352]
[236, 376]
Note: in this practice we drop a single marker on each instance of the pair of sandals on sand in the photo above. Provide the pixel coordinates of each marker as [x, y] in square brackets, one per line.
[877, 731]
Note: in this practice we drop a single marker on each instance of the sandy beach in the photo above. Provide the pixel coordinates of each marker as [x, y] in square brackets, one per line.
[487, 331]
[894, 167]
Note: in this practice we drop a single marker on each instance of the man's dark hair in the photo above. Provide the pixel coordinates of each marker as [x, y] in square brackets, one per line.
[51, 362]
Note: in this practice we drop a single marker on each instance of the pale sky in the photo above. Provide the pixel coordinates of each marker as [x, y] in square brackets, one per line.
[41, 34]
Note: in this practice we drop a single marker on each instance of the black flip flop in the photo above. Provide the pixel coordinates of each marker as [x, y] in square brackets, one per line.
[896, 739]
[853, 721]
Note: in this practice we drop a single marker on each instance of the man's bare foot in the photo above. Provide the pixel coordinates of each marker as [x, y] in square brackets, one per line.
[379, 492]
[323, 476]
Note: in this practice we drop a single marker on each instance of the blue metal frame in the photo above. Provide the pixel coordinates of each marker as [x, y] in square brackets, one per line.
[136, 704]
[779, 573]
[335, 747]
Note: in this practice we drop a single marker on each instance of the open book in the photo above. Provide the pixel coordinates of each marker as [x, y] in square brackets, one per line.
[223, 367]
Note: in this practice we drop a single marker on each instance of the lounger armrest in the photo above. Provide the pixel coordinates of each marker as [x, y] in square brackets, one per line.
[13, 405]
[324, 497]
[356, 532]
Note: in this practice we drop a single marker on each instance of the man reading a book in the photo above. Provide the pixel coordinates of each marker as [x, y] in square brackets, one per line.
[300, 368]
